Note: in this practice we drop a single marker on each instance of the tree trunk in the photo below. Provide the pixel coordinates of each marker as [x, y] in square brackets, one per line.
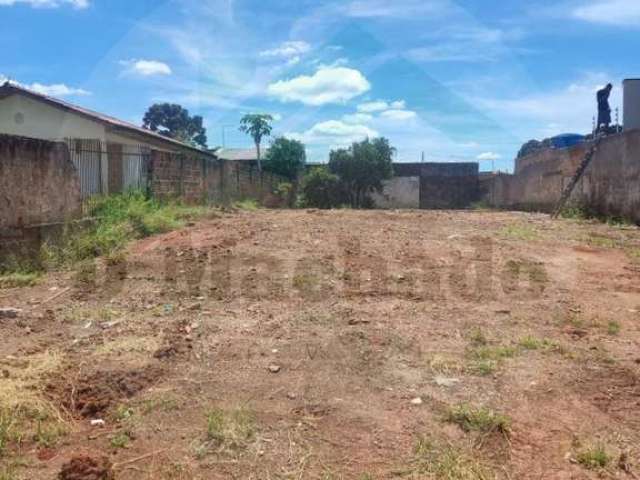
[258, 152]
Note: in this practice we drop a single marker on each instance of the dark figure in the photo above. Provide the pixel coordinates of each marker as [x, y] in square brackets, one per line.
[604, 110]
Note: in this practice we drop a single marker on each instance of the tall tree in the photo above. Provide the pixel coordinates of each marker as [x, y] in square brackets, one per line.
[174, 121]
[362, 168]
[257, 125]
[285, 157]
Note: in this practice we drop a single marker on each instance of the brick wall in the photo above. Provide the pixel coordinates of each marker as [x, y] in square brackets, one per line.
[610, 185]
[38, 182]
[202, 179]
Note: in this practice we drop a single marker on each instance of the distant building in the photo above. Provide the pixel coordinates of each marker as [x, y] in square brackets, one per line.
[247, 155]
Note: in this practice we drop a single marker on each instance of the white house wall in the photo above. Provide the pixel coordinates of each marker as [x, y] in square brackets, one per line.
[21, 115]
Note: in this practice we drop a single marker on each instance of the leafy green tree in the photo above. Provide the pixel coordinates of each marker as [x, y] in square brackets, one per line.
[321, 189]
[257, 125]
[362, 168]
[174, 121]
[285, 157]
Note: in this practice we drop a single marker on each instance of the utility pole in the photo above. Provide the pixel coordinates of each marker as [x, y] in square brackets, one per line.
[224, 137]
[422, 157]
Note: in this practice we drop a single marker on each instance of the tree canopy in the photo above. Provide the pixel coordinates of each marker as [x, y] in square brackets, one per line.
[174, 121]
[257, 125]
[362, 168]
[285, 157]
[321, 189]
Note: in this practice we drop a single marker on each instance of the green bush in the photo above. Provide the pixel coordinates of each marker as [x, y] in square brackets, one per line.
[118, 219]
[321, 189]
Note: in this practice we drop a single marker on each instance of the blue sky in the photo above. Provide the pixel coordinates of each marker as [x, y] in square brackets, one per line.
[459, 80]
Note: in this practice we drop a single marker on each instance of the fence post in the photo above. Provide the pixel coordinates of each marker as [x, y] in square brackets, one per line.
[181, 180]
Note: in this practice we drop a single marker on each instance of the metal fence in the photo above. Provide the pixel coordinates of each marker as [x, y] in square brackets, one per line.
[109, 167]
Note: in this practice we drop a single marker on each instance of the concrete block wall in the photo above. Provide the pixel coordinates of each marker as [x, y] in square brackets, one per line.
[448, 185]
[430, 186]
[399, 192]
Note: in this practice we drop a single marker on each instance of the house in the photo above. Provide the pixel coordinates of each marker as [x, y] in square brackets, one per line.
[109, 153]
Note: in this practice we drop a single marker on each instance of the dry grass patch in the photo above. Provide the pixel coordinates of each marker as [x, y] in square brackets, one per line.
[445, 462]
[228, 431]
[130, 344]
[520, 232]
[26, 415]
[441, 363]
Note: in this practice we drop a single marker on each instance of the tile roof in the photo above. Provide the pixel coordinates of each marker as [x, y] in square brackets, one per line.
[238, 154]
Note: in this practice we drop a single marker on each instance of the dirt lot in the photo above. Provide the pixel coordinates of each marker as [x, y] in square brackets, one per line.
[330, 345]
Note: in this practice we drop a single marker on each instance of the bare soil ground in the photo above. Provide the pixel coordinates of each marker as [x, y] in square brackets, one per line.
[334, 344]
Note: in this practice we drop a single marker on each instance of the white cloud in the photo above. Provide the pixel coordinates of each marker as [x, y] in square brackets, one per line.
[146, 68]
[57, 90]
[327, 85]
[399, 115]
[489, 156]
[357, 118]
[463, 42]
[54, 90]
[610, 12]
[80, 4]
[334, 133]
[387, 110]
[287, 50]
[371, 107]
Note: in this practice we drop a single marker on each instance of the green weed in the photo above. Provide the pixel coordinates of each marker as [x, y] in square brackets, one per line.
[119, 219]
[229, 430]
[480, 419]
[613, 327]
[247, 204]
[19, 279]
[482, 368]
[120, 440]
[532, 343]
[594, 457]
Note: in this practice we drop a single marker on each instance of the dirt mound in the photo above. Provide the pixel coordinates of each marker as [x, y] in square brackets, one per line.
[85, 467]
[93, 394]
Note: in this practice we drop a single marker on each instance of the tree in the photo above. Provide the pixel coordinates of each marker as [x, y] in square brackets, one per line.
[321, 189]
[285, 157]
[257, 125]
[362, 168]
[174, 121]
